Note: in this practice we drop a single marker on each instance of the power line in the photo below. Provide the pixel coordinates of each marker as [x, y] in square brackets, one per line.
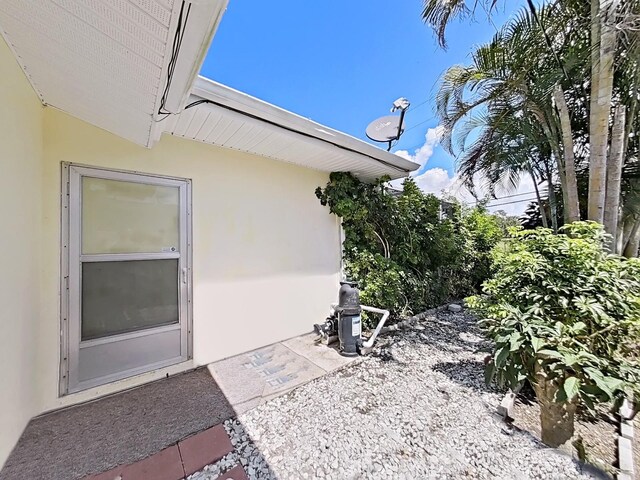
[417, 106]
[542, 194]
[515, 195]
[418, 124]
[513, 201]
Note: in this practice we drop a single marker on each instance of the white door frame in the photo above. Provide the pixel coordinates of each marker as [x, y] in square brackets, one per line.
[70, 341]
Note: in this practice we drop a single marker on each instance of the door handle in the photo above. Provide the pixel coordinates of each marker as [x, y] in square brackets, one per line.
[184, 276]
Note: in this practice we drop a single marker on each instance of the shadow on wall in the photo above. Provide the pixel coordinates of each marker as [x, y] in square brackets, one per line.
[130, 426]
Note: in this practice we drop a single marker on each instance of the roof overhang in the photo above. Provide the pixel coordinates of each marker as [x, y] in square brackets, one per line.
[130, 67]
[108, 62]
[219, 115]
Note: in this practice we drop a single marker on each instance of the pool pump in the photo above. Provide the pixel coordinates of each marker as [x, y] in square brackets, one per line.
[345, 321]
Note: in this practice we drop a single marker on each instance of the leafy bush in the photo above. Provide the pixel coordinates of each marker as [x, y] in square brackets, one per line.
[564, 315]
[481, 232]
[405, 257]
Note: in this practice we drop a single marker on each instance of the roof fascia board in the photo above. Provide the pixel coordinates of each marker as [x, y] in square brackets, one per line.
[299, 139]
[240, 102]
[203, 21]
[18, 59]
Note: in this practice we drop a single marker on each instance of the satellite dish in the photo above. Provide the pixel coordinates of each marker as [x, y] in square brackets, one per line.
[390, 127]
[385, 129]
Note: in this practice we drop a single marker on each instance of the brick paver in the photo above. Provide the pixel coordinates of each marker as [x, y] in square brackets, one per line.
[204, 448]
[177, 461]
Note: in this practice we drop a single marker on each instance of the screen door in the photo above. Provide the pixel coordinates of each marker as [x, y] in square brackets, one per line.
[127, 274]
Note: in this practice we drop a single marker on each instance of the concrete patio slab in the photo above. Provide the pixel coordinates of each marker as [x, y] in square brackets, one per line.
[252, 378]
[310, 347]
[247, 378]
[246, 405]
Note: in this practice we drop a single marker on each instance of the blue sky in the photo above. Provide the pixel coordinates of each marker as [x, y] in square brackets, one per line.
[343, 63]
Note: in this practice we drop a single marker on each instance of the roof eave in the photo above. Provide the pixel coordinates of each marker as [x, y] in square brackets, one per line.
[243, 103]
[201, 25]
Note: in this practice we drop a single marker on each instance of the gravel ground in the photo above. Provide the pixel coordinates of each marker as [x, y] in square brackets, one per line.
[416, 407]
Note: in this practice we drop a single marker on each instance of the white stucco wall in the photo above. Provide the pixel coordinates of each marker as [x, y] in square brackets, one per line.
[266, 254]
[20, 214]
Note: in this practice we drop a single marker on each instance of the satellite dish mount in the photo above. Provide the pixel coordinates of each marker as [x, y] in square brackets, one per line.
[389, 128]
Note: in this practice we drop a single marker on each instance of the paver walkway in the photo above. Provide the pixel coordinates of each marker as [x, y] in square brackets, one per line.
[177, 461]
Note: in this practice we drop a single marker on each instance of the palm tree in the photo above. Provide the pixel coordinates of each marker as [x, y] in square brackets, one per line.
[606, 21]
[508, 147]
[497, 113]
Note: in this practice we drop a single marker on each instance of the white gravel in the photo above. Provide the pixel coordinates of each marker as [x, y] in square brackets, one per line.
[415, 408]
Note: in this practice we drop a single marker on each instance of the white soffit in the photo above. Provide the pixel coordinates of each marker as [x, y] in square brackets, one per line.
[106, 61]
[232, 119]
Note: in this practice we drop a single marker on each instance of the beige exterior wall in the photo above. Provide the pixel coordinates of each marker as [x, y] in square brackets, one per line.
[266, 254]
[20, 213]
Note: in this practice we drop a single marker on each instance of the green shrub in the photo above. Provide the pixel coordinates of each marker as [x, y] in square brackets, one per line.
[564, 315]
[405, 258]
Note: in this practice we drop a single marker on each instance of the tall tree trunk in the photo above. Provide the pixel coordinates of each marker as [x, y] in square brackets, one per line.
[603, 41]
[632, 108]
[555, 149]
[624, 229]
[631, 248]
[614, 175]
[571, 200]
[543, 213]
[628, 225]
[592, 200]
[553, 203]
[562, 176]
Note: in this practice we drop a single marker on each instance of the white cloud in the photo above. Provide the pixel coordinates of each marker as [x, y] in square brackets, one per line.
[437, 180]
[422, 154]
[434, 180]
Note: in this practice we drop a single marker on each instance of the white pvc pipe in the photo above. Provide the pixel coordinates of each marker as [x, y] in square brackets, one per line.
[385, 315]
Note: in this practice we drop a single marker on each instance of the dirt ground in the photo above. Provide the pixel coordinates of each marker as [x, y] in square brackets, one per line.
[599, 435]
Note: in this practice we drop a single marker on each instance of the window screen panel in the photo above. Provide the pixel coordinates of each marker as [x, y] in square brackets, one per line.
[126, 296]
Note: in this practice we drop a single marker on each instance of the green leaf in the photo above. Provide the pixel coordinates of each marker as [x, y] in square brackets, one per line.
[607, 384]
[550, 354]
[515, 341]
[614, 384]
[578, 327]
[501, 356]
[571, 387]
[536, 343]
